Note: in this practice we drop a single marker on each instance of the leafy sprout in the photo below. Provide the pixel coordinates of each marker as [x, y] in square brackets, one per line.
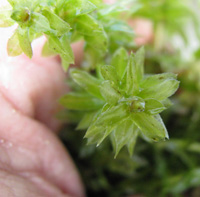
[64, 22]
[122, 103]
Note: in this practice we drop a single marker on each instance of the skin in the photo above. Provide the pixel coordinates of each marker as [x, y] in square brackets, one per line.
[33, 162]
[32, 158]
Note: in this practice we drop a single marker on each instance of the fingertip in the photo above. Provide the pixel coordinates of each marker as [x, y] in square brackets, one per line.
[109, 1]
[143, 29]
[77, 48]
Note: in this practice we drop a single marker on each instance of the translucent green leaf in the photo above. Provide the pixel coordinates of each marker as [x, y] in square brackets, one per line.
[122, 135]
[94, 134]
[110, 95]
[139, 61]
[97, 133]
[92, 31]
[64, 62]
[153, 80]
[109, 73]
[20, 3]
[47, 51]
[86, 81]
[117, 7]
[107, 132]
[75, 101]
[111, 9]
[86, 120]
[93, 126]
[5, 20]
[13, 46]
[93, 58]
[75, 36]
[153, 106]
[105, 107]
[160, 91]
[121, 27]
[68, 56]
[24, 41]
[62, 47]
[120, 61]
[132, 85]
[167, 103]
[132, 140]
[73, 8]
[151, 126]
[56, 22]
[98, 42]
[112, 115]
[96, 2]
[40, 23]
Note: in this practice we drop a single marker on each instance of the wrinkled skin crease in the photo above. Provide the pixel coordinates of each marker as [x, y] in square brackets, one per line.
[33, 162]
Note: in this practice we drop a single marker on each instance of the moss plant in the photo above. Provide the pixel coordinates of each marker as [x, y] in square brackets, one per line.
[113, 104]
[123, 102]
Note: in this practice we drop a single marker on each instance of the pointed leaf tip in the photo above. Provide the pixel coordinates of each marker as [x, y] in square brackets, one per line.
[151, 126]
[162, 91]
[110, 94]
[120, 61]
[139, 60]
[132, 85]
[24, 41]
[87, 82]
[13, 46]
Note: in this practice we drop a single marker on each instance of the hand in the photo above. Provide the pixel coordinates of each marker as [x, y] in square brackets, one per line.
[32, 160]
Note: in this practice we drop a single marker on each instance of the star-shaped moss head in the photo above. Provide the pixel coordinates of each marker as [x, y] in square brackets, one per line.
[122, 102]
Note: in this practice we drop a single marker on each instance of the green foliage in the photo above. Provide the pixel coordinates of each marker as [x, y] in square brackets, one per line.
[5, 14]
[169, 169]
[63, 22]
[126, 102]
[118, 101]
[13, 46]
[170, 18]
